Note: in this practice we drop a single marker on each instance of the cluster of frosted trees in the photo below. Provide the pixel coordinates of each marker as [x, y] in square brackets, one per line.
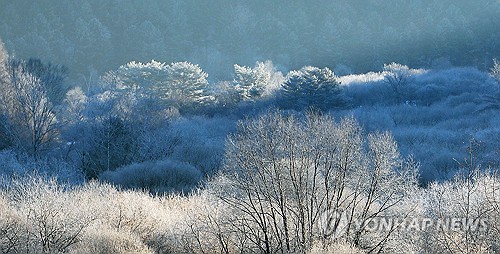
[184, 85]
[113, 122]
[261, 185]
[280, 175]
[125, 117]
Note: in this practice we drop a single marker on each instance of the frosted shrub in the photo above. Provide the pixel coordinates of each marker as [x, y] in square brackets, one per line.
[158, 176]
[201, 223]
[55, 219]
[126, 220]
[13, 166]
[440, 84]
[11, 227]
[103, 240]
[204, 155]
[364, 89]
[337, 248]
[352, 79]
[474, 197]
[42, 216]
[199, 141]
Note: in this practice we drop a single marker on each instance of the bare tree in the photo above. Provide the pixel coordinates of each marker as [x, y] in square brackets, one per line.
[473, 196]
[52, 76]
[4, 57]
[30, 117]
[492, 100]
[398, 77]
[282, 174]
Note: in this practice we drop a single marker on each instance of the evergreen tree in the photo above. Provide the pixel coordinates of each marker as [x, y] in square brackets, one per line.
[311, 87]
[186, 82]
[251, 82]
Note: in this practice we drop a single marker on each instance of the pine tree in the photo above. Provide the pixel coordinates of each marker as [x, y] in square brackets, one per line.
[311, 87]
[251, 82]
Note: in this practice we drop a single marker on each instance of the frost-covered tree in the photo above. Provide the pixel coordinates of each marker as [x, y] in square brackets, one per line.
[156, 176]
[131, 89]
[4, 57]
[226, 95]
[186, 83]
[29, 116]
[311, 87]
[4, 81]
[111, 143]
[52, 76]
[73, 105]
[492, 99]
[495, 70]
[249, 82]
[136, 76]
[100, 130]
[282, 174]
[255, 82]
[41, 216]
[178, 84]
[398, 77]
[472, 196]
[27, 112]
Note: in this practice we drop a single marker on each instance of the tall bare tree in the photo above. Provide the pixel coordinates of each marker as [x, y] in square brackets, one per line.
[284, 174]
[29, 117]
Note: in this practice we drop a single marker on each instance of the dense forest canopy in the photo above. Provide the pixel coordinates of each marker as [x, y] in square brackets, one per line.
[91, 37]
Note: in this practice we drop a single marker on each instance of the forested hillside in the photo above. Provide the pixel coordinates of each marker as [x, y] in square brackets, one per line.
[91, 37]
[249, 127]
